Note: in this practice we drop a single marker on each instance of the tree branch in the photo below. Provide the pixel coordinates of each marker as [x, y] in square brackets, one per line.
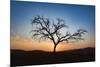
[43, 30]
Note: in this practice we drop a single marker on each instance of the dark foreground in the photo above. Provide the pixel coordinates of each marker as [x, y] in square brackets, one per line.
[22, 58]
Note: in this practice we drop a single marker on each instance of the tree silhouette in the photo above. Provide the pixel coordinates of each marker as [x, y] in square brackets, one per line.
[44, 28]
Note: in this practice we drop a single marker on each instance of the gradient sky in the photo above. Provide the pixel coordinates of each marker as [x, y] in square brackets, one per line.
[76, 16]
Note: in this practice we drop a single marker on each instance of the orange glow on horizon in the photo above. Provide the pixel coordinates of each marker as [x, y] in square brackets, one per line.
[18, 42]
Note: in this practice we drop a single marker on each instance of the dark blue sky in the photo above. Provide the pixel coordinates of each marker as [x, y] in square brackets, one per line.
[76, 16]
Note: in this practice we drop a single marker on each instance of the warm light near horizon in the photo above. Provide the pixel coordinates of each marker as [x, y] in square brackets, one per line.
[22, 43]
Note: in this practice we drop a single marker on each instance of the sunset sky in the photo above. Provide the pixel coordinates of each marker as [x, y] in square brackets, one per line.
[76, 16]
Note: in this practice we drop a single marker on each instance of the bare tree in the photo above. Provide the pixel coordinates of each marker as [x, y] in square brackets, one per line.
[44, 28]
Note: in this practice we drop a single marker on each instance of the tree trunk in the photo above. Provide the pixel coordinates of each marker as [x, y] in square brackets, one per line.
[54, 48]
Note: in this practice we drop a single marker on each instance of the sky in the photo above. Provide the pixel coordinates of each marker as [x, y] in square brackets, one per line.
[75, 16]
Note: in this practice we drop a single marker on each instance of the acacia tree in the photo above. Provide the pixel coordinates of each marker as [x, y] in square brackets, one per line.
[44, 28]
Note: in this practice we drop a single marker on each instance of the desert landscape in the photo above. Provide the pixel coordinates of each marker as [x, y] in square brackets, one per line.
[51, 33]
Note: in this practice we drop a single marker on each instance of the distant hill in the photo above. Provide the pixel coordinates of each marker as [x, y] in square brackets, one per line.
[37, 57]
